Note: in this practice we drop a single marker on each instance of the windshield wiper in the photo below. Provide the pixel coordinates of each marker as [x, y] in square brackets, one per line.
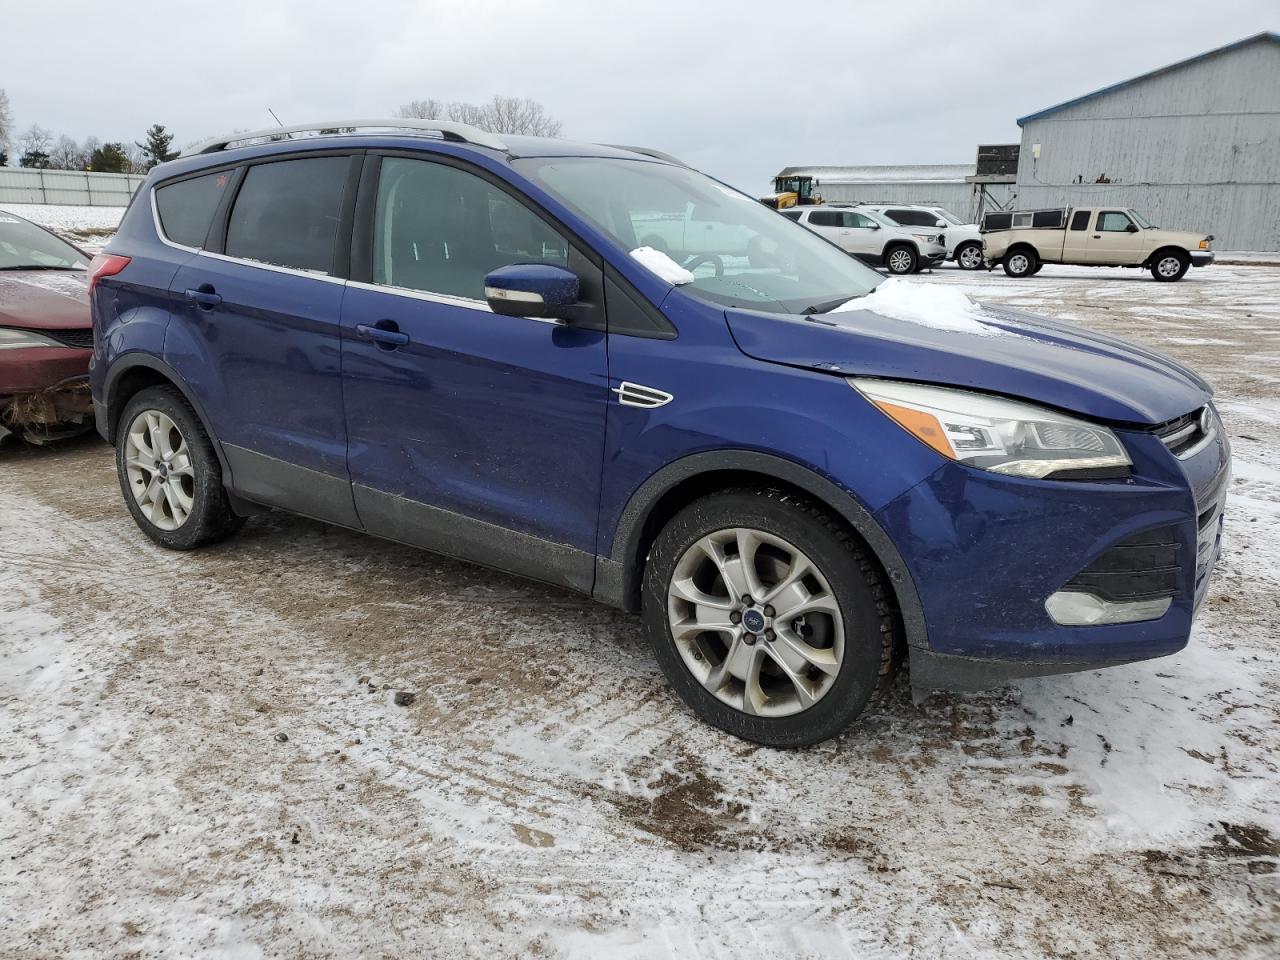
[827, 305]
[38, 266]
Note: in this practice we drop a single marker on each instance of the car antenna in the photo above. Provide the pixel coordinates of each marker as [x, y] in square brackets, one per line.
[274, 117]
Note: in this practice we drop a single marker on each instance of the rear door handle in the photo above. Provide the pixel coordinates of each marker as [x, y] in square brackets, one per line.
[386, 334]
[203, 296]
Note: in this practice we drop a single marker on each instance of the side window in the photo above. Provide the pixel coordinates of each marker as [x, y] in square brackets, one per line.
[440, 230]
[187, 207]
[860, 220]
[824, 218]
[287, 213]
[793, 214]
[1113, 221]
[1080, 220]
[911, 218]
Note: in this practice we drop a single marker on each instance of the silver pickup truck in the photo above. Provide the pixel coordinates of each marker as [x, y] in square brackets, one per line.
[1023, 241]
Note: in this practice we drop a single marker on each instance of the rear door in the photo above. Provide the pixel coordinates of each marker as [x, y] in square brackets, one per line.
[256, 332]
[470, 433]
[1112, 241]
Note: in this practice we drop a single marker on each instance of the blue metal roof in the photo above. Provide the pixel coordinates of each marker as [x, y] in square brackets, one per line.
[1273, 37]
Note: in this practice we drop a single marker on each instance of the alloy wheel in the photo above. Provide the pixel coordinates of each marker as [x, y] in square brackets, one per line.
[900, 261]
[159, 468]
[1169, 266]
[971, 258]
[755, 622]
[1018, 263]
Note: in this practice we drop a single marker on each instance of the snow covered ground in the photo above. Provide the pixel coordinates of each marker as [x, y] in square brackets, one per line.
[87, 227]
[202, 754]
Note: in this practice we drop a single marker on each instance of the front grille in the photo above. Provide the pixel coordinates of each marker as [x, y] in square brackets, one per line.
[1142, 567]
[1184, 434]
[82, 338]
[1209, 534]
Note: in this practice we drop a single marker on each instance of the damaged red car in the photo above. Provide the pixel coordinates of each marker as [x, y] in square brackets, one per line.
[46, 337]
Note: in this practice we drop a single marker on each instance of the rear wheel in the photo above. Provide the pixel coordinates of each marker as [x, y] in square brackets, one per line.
[969, 256]
[1022, 262]
[169, 473]
[1170, 265]
[900, 259]
[767, 617]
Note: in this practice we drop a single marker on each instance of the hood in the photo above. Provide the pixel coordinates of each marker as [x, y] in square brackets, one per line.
[44, 299]
[1180, 238]
[1017, 354]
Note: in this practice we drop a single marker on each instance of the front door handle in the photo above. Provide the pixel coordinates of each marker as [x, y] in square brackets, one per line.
[385, 333]
[203, 296]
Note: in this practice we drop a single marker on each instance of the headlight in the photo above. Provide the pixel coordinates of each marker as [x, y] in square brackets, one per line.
[926, 237]
[996, 434]
[11, 339]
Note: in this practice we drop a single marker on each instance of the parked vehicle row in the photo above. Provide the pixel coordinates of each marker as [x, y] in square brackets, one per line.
[873, 237]
[45, 334]
[463, 342]
[1023, 241]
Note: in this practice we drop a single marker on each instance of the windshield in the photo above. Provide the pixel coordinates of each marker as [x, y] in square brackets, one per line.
[948, 216]
[739, 252]
[24, 246]
[1141, 220]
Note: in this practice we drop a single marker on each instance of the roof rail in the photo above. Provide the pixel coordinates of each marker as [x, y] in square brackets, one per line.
[449, 129]
[647, 152]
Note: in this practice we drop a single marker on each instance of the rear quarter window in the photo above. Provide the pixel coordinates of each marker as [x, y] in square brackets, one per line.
[186, 208]
[287, 213]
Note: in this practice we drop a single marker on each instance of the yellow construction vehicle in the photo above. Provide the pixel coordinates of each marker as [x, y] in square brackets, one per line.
[792, 191]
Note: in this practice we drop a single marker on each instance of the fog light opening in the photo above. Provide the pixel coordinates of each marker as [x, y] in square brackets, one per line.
[1075, 608]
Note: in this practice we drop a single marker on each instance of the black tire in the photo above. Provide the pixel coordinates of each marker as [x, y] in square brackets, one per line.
[211, 518]
[859, 587]
[1021, 262]
[1039, 267]
[971, 252]
[1162, 265]
[900, 259]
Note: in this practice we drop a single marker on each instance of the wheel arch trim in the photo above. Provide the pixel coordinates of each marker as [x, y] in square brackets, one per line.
[618, 575]
[146, 361]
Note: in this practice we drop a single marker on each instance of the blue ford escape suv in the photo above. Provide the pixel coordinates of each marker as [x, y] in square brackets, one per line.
[465, 343]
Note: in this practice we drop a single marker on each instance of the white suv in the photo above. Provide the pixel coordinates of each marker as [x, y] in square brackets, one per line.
[874, 238]
[964, 242]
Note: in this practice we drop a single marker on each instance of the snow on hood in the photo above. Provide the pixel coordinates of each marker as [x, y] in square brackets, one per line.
[657, 262]
[931, 305]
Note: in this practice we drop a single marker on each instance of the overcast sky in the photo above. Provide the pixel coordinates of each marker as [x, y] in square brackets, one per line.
[739, 89]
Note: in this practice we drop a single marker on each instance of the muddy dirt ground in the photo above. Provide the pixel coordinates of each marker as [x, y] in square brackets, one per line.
[213, 754]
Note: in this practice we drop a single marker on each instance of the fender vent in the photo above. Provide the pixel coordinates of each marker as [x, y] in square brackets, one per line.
[637, 395]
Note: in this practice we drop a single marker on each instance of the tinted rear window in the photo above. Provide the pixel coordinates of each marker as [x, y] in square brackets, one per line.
[187, 207]
[825, 218]
[287, 213]
[1080, 220]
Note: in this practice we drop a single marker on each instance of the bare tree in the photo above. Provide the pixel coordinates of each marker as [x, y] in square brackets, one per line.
[499, 115]
[66, 155]
[36, 139]
[6, 121]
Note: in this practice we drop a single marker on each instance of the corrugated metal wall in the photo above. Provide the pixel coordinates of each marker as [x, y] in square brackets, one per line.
[72, 187]
[960, 198]
[1196, 148]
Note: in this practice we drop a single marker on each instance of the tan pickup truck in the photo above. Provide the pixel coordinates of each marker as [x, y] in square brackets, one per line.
[1023, 241]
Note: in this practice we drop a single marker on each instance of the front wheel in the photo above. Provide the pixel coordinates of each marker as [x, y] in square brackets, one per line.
[767, 617]
[900, 260]
[969, 256]
[169, 473]
[1170, 266]
[1021, 263]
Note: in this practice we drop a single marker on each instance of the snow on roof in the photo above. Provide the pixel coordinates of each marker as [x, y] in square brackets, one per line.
[892, 173]
[1257, 37]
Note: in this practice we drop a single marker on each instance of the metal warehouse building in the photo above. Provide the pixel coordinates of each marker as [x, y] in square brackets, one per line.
[1194, 145]
[942, 184]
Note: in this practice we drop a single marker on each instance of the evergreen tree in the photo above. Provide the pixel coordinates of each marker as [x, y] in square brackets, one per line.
[156, 148]
[35, 160]
[109, 158]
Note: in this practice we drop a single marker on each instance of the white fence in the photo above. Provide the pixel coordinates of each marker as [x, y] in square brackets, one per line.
[71, 187]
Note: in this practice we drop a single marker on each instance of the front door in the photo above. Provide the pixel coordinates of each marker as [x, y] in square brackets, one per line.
[1115, 239]
[470, 433]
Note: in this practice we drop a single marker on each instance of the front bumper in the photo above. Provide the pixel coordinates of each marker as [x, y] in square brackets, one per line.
[986, 551]
[36, 369]
[932, 258]
[1201, 258]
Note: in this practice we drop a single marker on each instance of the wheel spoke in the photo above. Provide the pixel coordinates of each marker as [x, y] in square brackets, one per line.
[730, 573]
[753, 696]
[685, 589]
[792, 605]
[804, 695]
[721, 672]
[797, 654]
[741, 569]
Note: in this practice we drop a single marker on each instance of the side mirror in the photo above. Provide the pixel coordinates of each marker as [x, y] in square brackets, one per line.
[874, 225]
[537, 290]
[940, 223]
[1131, 228]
